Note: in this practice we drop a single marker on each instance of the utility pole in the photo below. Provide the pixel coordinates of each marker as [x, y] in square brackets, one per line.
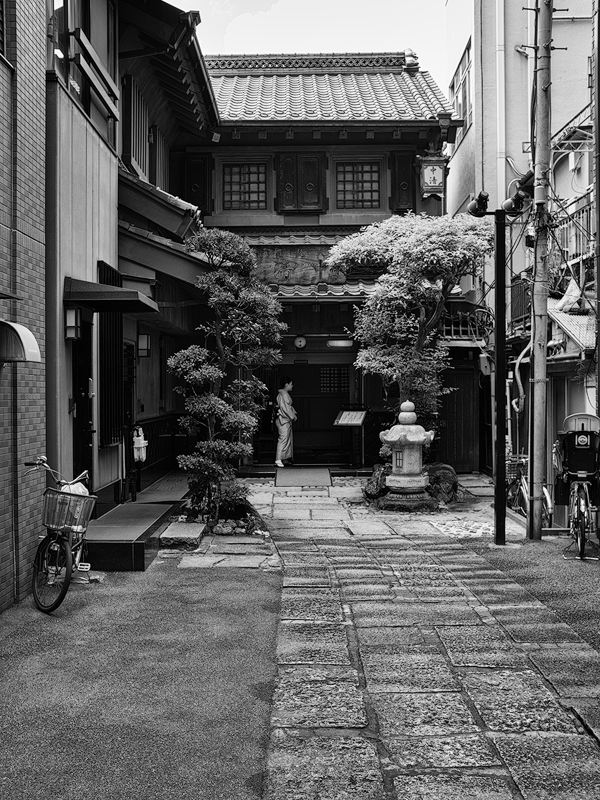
[539, 380]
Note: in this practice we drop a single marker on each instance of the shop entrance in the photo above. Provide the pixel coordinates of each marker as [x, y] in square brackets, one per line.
[320, 391]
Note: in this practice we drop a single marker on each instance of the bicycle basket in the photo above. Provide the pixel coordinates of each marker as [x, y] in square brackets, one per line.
[512, 467]
[62, 511]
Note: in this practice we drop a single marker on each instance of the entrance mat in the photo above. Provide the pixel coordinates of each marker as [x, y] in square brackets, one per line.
[297, 476]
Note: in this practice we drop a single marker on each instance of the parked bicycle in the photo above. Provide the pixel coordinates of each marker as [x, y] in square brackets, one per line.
[66, 513]
[517, 490]
[576, 457]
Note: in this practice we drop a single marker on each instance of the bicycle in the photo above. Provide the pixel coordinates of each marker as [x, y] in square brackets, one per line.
[66, 513]
[576, 459]
[517, 490]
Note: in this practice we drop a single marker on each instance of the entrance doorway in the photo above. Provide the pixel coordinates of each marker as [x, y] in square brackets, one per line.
[83, 422]
[320, 391]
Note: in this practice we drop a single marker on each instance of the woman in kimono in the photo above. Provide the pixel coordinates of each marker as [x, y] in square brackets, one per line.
[286, 414]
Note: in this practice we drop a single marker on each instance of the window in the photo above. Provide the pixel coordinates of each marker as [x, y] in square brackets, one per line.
[136, 121]
[460, 92]
[244, 187]
[301, 183]
[357, 185]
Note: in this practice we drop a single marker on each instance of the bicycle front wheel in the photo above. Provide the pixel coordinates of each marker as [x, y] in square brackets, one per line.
[51, 573]
[581, 522]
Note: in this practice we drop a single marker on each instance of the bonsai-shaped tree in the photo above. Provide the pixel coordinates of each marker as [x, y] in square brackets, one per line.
[422, 259]
[223, 399]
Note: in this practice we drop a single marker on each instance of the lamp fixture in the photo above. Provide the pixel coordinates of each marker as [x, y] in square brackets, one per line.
[143, 345]
[72, 323]
[340, 343]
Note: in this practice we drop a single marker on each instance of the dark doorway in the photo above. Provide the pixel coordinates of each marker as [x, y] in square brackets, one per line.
[320, 391]
[83, 423]
[459, 421]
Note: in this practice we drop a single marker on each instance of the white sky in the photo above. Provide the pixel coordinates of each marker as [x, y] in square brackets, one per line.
[324, 26]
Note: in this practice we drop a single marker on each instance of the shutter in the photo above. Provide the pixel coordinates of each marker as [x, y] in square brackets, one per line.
[403, 183]
[198, 174]
[286, 183]
[310, 169]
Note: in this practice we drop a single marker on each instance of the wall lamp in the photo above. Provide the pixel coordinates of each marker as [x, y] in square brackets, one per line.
[72, 323]
[143, 345]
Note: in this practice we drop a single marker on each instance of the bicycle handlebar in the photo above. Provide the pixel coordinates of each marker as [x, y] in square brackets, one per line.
[42, 462]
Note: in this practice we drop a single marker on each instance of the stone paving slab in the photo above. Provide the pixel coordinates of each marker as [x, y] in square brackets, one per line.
[443, 752]
[409, 672]
[367, 591]
[312, 643]
[486, 646]
[513, 701]
[552, 766]
[574, 673]
[360, 528]
[311, 607]
[422, 714]
[451, 787]
[284, 523]
[311, 698]
[535, 625]
[388, 640]
[375, 614]
[307, 768]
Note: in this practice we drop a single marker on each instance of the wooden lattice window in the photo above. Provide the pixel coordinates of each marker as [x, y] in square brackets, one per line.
[244, 186]
[358, 185]
[335, 380]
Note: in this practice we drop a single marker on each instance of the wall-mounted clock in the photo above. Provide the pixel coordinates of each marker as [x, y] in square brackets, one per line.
[300, 342]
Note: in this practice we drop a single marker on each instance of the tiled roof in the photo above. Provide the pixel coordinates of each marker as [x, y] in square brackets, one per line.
[581, 328]
[348, 291]
[324, 89]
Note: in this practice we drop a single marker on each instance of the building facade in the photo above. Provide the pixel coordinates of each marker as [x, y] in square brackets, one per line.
[493, 52]
[310, 149]
[22, 313]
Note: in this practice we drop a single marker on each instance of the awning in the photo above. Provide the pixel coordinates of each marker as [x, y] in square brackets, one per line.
[101, 297]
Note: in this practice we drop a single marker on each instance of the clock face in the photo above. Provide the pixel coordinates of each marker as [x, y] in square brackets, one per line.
[299, 342]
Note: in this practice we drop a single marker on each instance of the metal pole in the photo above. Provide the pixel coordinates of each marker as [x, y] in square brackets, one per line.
[500, 379]
[596, 87]
[540, 278]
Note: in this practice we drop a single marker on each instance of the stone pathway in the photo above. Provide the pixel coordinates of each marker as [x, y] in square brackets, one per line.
[411, 669]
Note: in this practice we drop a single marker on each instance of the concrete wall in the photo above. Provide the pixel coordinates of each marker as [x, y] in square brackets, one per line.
[22, 163]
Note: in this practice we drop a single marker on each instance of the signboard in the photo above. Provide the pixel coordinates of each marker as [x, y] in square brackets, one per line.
[351, 418]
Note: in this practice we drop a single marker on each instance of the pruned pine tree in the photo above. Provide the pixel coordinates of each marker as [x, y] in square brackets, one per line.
[223, 399]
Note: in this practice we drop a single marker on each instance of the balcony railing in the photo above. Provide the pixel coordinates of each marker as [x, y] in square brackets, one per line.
[467, 322]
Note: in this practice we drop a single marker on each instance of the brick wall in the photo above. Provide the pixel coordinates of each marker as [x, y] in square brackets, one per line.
[22, 195]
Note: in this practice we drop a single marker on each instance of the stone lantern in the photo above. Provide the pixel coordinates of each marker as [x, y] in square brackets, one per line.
[407, 482]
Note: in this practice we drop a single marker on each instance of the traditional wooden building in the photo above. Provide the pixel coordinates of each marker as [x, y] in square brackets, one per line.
[127, 86]
[310, 149]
